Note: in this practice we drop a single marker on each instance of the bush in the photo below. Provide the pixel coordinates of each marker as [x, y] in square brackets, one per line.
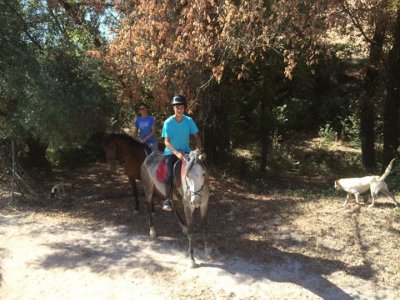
[327, 135]
[75, 155]
[351, 130]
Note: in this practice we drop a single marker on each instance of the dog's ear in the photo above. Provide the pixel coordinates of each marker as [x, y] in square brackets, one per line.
[54, 191]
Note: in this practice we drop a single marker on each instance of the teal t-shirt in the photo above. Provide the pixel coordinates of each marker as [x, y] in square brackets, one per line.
[179, 133]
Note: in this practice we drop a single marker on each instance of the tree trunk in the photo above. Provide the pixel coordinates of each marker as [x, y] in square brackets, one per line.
[367, 122]
[368, 99]
[264, 133]
[391, 106]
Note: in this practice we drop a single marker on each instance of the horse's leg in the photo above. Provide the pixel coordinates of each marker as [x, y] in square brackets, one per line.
[189, 222]
[135, 195]
[204, 226]
[180, 222]
[150, 209]
[148, 187]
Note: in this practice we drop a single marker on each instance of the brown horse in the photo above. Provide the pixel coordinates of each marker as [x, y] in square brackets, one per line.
[122, 147]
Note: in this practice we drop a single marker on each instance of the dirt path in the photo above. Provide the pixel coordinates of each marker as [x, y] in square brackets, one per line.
[43, 257]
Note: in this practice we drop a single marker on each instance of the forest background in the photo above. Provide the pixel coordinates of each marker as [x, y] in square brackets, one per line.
[260, 77]
[288, 96]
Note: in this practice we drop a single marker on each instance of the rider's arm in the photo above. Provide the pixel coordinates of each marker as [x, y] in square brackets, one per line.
[153, 132]
[197, 141]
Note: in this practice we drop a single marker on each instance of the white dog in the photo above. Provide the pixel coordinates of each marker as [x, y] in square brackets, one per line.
[57, 191]
[375, 184]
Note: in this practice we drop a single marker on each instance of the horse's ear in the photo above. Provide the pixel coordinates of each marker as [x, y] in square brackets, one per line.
[202, 156]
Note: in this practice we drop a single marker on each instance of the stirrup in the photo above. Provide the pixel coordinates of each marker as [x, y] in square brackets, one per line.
[167, 205]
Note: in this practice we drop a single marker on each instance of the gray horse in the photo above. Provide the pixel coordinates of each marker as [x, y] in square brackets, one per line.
[194, 192]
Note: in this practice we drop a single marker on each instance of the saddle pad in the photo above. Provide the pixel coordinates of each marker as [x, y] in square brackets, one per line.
[162, 171]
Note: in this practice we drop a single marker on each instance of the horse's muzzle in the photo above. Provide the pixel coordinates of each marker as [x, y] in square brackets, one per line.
[195, 201]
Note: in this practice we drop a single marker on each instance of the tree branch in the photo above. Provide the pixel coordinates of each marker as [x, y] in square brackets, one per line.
[25, 27]
[74, 13]
[57, 22]
[356, 23]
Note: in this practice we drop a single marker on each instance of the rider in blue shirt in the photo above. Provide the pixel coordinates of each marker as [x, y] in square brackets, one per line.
[146, 126]
[176, 132]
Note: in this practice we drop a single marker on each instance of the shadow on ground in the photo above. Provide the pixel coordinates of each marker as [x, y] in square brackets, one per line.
[251, 227]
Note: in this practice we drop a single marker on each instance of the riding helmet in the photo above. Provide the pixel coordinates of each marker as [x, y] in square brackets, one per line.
[178, 100]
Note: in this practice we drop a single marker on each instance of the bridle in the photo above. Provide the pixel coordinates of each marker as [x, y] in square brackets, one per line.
[188, 191]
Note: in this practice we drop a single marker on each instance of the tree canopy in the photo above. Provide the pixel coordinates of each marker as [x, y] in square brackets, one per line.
[71, 69]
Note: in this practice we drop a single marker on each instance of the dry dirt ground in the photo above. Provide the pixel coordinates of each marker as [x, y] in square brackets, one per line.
[278, 244]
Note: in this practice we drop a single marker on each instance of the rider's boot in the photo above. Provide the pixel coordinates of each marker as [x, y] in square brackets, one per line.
[167, 204]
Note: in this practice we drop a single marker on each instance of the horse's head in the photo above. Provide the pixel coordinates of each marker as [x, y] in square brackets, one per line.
[194, 178]
[110, 150]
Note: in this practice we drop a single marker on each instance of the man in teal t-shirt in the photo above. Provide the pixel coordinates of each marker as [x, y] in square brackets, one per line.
[176, 132]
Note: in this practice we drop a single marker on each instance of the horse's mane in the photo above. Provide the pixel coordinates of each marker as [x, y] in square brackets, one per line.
[129, 139]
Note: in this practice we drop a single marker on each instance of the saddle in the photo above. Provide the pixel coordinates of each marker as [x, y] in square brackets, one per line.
[176, 173]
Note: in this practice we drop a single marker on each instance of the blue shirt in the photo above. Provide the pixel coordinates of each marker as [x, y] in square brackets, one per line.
[144, 126]
[179, 133]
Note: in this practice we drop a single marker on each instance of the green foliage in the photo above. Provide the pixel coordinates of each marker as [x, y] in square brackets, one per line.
[69, 101]
[280, 113]
[322, 93]
[298, 114]
[50, 92]
[63, 100]
[17, 59]
[327, 134]
[75, 155]
[280, 157]
[351, 130]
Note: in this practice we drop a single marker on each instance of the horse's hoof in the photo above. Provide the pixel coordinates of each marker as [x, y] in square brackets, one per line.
[135, 212]
[371, 205]
[153, 233]
[185, 231]
[207, 252]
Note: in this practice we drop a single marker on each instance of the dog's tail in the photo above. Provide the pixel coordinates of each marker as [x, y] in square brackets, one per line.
[387, 171]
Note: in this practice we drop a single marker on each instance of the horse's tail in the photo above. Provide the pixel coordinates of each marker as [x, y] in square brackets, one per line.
[387, 171]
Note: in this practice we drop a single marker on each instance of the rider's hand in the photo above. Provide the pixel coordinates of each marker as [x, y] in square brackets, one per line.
[180, 156]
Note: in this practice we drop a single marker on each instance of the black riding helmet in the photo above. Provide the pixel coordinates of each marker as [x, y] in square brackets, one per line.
[178, 100]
